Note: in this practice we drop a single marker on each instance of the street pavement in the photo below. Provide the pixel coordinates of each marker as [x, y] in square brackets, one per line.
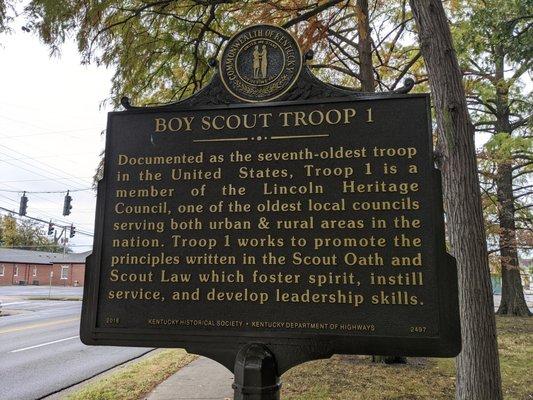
[41, 353]
[40, 349]
[14, 292]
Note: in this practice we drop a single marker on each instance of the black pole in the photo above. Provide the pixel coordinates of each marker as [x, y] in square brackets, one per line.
[256, 374]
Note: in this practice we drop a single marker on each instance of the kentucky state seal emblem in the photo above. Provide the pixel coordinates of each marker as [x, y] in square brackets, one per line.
[260, 63]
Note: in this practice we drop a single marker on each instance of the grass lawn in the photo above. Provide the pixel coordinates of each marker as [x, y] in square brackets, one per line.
[135, 381]
[355, 378]
[346, 377]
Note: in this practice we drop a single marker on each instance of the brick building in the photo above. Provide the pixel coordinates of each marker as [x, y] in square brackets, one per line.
[26, 267]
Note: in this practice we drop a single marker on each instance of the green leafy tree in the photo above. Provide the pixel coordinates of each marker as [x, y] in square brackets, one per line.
[25, 234]
[6, 15]
[160, 50]
[495, 46]
[8, 231]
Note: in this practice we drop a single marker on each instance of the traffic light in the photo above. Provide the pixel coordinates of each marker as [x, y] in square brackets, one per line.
[66, 205]
[23, 204]
[50, 228]
[72, 230]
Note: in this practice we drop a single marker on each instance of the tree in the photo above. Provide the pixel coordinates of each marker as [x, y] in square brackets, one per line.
[491, 209]
[25, 234]
[160, 50]
[366, 77]
[366, 66]
[6, 11]
[495, 43]
[478, 372]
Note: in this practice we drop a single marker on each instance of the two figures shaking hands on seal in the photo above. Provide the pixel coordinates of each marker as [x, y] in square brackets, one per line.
[260, 61]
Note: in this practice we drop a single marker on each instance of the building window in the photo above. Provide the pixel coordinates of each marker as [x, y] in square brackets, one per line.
[64, 272]
[16, 271]
[2, 270]
[34, 271]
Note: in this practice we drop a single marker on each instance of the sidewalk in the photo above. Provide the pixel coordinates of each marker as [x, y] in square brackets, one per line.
[203, 379]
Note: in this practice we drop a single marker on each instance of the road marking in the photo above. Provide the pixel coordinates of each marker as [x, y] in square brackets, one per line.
[11, 304]
[41, 325]
[44, 344]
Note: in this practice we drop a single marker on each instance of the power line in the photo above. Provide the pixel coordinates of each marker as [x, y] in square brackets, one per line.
[52, 156]
[26, 107]
[22, 122]
[42, 180]
[44, 245]
[32, 218]
[10, 199]
[53, 191]
[60, 133]
[52, 217]
[29, 170]
[43, 163]
[45, 130]
[47, 222]
[36, 194]
[39, 197]
[67, 223]
[51, 173]
[54, 220]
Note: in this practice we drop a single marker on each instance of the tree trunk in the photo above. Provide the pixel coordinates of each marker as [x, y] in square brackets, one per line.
[478, 370]
[513, 301]
[366, 71]
[366, 77]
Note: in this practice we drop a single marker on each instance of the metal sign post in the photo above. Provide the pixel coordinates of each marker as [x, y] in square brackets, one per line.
[256, 374]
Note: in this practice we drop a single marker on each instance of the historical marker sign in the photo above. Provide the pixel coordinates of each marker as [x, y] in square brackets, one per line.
[313, 227]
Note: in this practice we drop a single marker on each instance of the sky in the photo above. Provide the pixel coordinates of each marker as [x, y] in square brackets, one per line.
[50, 131]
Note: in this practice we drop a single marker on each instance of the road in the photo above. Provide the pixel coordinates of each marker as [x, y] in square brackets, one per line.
[40, 349]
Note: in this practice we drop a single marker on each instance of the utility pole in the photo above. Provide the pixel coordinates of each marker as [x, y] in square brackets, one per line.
[50, 281]
[65, 240]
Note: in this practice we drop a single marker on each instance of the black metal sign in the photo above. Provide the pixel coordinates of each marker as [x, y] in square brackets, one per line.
[311, 226]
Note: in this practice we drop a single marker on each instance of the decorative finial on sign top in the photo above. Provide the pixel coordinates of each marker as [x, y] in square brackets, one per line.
[408, 84]
[212, 62]
[125, 102]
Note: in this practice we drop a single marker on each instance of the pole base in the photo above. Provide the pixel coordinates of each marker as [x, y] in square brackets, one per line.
[256, 374]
